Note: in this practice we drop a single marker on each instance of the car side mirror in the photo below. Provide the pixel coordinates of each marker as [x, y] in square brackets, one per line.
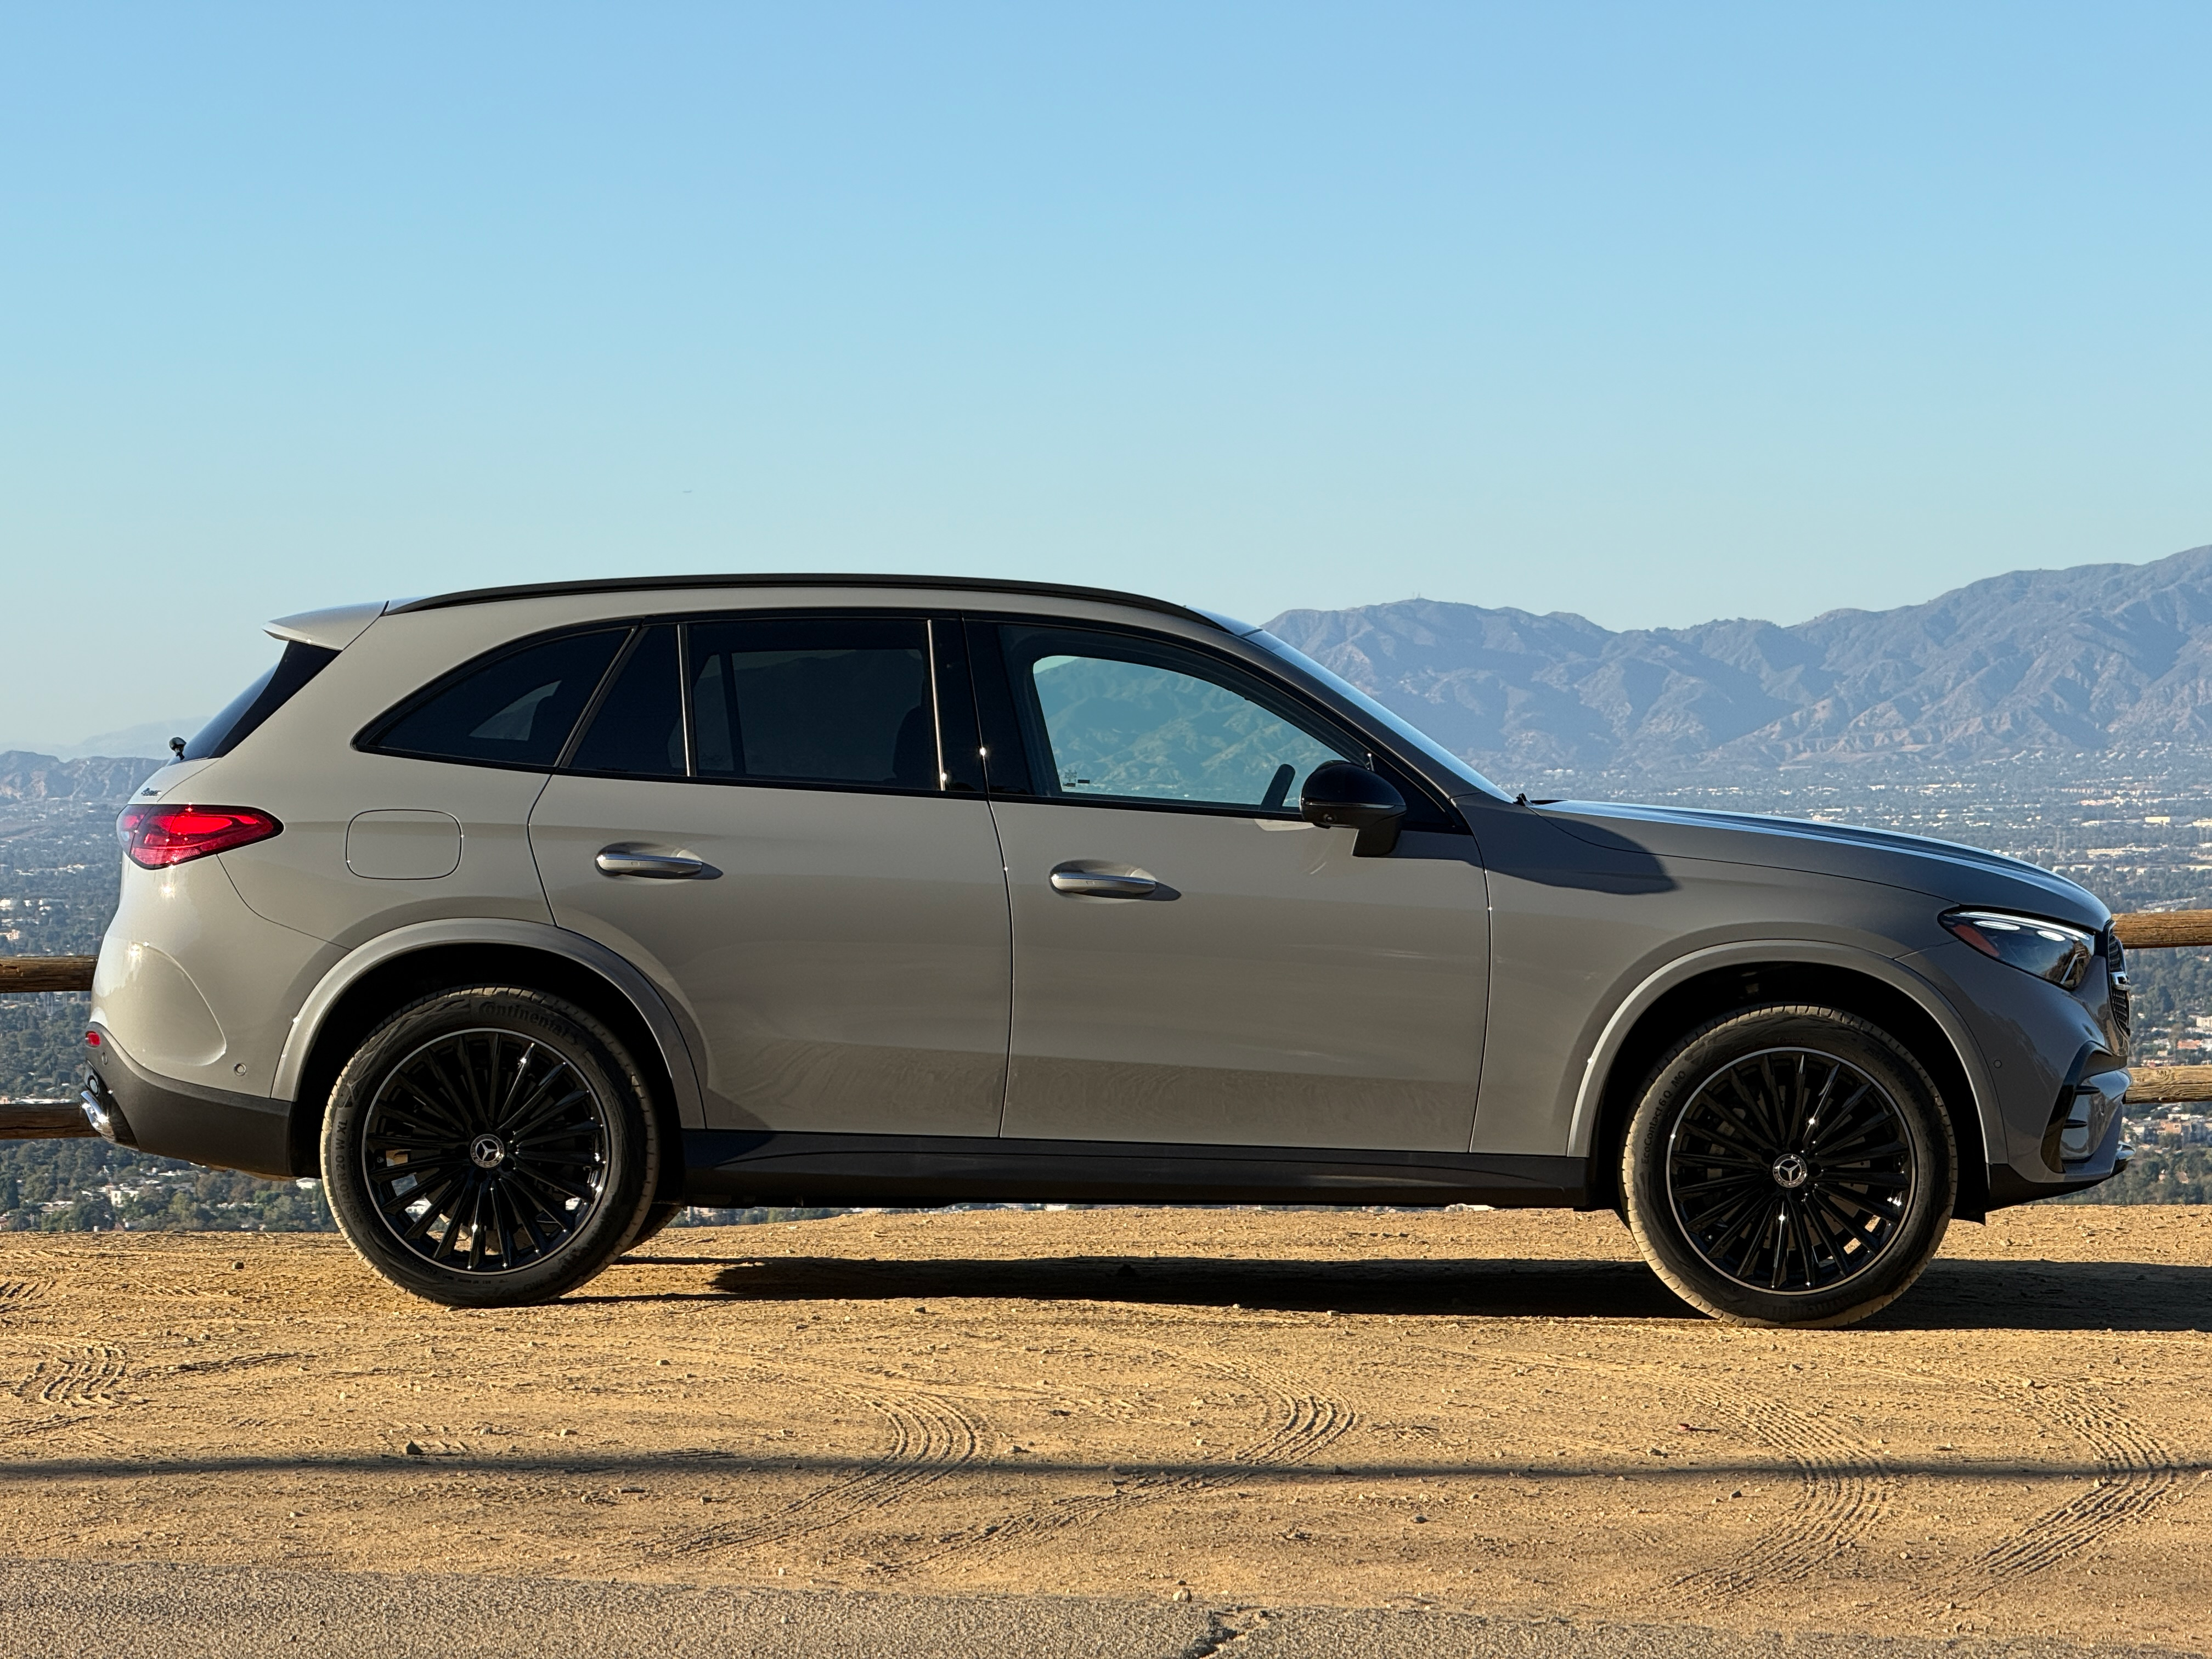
[1342, 796]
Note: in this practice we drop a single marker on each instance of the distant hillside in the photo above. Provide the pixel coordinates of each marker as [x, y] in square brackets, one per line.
[24, 776]
[2041, 661]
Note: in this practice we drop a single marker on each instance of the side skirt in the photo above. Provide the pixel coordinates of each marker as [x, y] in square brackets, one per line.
[732, 1169]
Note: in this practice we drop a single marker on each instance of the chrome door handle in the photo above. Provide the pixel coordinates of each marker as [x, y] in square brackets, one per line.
[662, 867]
[1097, 883]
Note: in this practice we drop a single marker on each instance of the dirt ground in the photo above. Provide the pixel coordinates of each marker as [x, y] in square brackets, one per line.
[1481, 1410]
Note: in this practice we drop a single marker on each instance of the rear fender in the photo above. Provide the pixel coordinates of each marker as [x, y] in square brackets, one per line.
[644, 997]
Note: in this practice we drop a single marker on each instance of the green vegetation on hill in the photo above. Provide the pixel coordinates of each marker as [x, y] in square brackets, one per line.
[88, 1186]
[2180, 1175]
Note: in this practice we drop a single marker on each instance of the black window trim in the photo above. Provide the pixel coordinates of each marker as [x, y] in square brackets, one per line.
[296, 665]
[960, 748]
[600, 693]
[989, 662]
[683, 696]
[940, 631]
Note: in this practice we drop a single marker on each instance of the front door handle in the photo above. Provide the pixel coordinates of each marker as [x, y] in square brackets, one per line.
[1097, 883]
[660, 866]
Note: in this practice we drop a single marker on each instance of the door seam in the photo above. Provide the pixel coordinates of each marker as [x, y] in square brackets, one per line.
[1007, 890]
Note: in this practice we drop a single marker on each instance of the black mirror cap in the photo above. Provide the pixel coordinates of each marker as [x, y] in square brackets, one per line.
[1341, 796]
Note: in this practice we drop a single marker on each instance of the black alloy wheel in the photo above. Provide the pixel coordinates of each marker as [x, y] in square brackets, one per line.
[1789, 1165]
[1790, 1171]
[490, 1146]
[485, 1151]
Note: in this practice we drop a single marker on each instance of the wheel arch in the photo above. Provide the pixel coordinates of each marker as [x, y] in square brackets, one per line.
[1709, 983]
[395, 968]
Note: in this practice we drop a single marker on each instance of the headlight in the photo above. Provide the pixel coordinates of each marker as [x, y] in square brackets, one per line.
[2048, 950]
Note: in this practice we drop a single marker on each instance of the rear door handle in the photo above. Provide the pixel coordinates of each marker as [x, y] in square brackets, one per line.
[1097, 883]
[660, 866]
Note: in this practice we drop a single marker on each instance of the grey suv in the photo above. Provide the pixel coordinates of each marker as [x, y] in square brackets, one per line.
[526, 916]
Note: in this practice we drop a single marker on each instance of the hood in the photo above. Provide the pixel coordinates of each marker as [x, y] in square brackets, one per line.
[1945, 870]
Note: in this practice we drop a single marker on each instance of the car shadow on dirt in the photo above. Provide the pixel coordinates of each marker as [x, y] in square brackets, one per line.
[1953, 1295]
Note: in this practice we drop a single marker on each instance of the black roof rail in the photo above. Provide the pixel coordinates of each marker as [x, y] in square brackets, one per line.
[663, 584]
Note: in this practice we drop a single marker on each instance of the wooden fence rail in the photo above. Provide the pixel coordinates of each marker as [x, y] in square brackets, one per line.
[19, 973]
[2163, 930]
[2141, 930]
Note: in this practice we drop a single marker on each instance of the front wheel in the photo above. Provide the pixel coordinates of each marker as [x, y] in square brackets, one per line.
[490, 1146]
[1789, 1165]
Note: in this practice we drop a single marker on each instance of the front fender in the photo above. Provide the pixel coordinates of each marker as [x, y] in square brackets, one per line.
[1744, 953]
[668, 1033]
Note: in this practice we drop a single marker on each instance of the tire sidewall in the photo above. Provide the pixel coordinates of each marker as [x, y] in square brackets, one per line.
[1827, 1030]
[633, 1142]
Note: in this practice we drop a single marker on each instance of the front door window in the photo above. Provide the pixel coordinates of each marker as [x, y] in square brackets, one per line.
[1136, 721]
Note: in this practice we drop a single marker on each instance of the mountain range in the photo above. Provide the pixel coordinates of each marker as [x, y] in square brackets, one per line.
[2075, 661]
[24, 776]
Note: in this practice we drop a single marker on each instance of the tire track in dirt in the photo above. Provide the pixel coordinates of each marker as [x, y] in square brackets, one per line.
[931, 1437]
[2140, 1473]
[88, 1377]
[1298, 1421]
[234, 1362]
[16, 1294]
[1845, 1487]
[1306, 1420]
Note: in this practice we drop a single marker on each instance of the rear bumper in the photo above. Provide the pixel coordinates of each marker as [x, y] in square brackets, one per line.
[170, 1119]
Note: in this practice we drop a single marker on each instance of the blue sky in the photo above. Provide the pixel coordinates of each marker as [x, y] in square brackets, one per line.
[1651, 313]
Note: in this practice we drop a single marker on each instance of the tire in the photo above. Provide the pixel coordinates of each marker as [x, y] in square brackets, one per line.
[658, 1215]
[1754, 1209]
[535, 1128]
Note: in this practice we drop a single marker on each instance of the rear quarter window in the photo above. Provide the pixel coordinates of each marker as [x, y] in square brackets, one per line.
[516, 708]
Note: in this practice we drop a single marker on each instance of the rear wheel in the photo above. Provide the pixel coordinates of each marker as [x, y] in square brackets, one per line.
[490, 1146]
[1789, 1166]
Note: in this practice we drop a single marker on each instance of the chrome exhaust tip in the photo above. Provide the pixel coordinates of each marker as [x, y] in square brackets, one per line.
[100, 1110]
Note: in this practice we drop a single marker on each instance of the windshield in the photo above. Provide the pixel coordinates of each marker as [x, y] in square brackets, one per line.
[1411, 735]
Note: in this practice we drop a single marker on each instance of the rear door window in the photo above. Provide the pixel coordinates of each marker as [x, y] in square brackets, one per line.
[813, 700]
[516, 710]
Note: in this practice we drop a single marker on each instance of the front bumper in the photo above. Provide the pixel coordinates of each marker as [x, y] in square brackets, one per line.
[2087, 1121]
[2085, 1124]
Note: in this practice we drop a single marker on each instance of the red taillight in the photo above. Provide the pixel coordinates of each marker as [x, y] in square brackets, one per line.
[158, 836]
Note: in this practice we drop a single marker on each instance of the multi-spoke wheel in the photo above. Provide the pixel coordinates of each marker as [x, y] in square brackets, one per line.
[1789, 1165]
[490, 1146]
